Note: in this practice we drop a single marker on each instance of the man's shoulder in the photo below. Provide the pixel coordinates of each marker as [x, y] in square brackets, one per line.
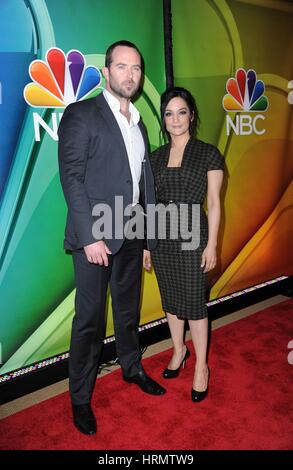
[82, 106]
[79, 113]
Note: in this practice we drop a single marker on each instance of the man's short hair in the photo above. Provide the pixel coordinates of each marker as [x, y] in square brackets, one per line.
[124, 43]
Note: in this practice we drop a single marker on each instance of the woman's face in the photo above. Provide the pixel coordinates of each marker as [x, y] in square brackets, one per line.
[177, 117]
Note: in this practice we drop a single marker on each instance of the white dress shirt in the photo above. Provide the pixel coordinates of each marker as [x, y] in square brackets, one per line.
[132, 137]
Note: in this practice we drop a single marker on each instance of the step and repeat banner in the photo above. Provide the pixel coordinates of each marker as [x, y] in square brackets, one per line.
[234, 56]
[39, 40]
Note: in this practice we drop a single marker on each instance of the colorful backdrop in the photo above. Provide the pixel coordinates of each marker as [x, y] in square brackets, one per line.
[36, 277]
[242, 49]
[211, 41]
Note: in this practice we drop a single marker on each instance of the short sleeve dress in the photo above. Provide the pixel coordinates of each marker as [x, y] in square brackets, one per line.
[181, 280]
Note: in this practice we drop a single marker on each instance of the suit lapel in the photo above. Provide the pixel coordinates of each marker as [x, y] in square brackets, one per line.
[112, 124]
[144, 136]
[109, 117]
[147, 169]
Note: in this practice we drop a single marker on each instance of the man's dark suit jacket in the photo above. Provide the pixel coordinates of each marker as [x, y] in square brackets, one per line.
[94, 168]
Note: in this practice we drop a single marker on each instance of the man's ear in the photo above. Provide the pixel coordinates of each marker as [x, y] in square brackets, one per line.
[105, 72]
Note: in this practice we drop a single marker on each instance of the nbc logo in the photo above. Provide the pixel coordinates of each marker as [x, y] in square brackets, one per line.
[245, 94]
[57, 82]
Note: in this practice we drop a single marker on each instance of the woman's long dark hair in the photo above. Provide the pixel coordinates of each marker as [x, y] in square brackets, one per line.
[178, 92]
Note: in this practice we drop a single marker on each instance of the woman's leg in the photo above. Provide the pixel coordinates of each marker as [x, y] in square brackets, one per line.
[177, 333]
[199, 335]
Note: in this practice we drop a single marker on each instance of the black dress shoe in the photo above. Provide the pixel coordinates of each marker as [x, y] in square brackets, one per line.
[84, 419]
[146, 384]
[196, 396]
[173, 373]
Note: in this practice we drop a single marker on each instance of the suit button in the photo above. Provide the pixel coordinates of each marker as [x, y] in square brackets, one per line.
[128, 181]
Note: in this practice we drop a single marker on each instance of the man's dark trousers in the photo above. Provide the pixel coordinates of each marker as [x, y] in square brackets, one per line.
[88, 327]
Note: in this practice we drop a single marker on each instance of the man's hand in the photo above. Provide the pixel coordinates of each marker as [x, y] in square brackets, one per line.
[147, 262]
[97, 253]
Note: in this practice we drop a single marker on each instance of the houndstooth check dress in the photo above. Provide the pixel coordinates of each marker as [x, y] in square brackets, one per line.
[181, 279]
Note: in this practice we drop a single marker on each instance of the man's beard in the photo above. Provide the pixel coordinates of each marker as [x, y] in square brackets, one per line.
[121, 92]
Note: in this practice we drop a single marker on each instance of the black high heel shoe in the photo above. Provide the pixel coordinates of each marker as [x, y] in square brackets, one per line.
[196, 396]
[172, 374]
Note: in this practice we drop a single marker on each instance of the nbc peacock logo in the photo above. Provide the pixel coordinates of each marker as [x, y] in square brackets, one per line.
[61, 79]
[56, 82]
[245, 93]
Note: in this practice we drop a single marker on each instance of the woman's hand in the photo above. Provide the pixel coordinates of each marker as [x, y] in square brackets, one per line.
[209, 258]
[147, 262]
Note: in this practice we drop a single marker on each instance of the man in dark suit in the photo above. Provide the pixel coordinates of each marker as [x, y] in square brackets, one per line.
[103, 154]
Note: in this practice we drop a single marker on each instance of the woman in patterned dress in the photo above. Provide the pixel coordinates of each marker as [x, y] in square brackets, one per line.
[186, 171]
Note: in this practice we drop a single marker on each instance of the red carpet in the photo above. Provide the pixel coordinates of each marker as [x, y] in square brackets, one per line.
[249, 405]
